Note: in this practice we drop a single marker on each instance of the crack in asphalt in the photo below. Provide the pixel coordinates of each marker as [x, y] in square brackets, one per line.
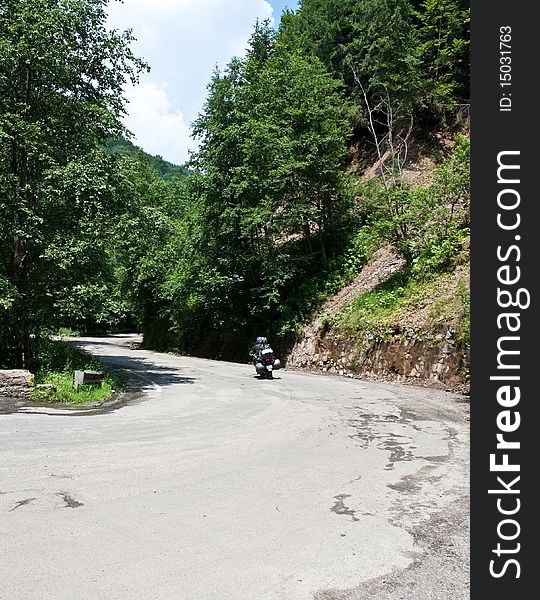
[22, 503]
[340, 509]
[69, 500]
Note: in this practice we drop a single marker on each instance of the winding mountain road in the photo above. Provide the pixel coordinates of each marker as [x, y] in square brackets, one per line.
[215, 485]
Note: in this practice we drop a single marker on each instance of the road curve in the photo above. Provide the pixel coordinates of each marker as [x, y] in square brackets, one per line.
[215, 485]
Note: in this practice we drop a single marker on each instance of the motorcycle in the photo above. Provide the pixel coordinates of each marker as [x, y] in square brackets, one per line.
[266, 363]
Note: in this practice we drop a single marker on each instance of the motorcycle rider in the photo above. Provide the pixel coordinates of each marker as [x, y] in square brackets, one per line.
[260, 344]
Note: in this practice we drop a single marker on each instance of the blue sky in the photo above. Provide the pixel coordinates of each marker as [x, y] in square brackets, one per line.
[182, 40]
[279, 5]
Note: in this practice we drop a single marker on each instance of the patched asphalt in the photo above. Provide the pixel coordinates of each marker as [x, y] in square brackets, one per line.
[214, 485]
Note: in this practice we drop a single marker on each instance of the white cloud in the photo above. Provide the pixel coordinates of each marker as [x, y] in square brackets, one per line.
[182, 40]
[157, 126]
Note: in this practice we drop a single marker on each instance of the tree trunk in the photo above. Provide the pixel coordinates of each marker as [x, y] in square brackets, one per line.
[307, 237]
[21, 355]
[324, 259]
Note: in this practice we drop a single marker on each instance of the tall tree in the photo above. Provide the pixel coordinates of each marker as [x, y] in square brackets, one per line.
[296, 146]
[443, 31]
[415, 51]
[61, 78]
[273, 143]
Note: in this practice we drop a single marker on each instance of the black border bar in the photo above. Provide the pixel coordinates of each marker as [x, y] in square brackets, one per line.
[505, 348]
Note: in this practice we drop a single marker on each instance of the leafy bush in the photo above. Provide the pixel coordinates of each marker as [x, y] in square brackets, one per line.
[441, 253]
[427, 224]
[439, 213]
[67, 332]
[52, 355]
[56, 362]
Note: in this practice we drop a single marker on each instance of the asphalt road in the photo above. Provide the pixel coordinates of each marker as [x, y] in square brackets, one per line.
[215, 485]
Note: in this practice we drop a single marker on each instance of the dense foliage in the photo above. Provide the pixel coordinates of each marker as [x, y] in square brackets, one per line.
[55, 365]
[61, 77]
[270, 223]
[267, 219]
[122, 148]
[416, 50]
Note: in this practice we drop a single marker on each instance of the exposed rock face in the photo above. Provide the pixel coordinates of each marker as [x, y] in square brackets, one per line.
[407, 356]
[15, 384]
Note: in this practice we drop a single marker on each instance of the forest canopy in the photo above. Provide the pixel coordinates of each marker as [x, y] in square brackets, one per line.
[271, 214]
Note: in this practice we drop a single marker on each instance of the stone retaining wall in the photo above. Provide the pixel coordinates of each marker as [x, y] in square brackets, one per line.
[15, 383]
[407, 356]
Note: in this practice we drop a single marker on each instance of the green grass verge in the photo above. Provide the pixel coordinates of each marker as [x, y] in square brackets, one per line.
[64, 392]
[67, 332]
[56, 362]
[404, 301]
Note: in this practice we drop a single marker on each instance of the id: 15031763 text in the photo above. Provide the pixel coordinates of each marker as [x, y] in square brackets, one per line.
[505, 68]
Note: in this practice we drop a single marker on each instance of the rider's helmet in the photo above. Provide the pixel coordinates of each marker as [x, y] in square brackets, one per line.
[261, 340]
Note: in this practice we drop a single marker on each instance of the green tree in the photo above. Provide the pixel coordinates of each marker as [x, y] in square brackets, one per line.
[416, 51]
[376, 37]
[295, 148]
[146, 241]
[273, 144]
[443, 27]
[61, 77]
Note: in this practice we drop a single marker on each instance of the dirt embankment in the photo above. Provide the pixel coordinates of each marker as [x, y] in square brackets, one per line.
[421, 348]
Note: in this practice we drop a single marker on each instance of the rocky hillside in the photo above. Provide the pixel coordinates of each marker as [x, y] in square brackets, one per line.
[395, 321]
[421, 345]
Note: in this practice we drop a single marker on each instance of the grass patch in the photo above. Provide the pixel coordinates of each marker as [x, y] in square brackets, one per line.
[64, 392]
[67, 332]
[56, 362]
[407, 301]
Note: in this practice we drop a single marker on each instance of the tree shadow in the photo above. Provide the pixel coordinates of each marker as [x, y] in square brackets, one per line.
[145, 371]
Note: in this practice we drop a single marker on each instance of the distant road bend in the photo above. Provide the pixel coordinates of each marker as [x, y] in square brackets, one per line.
[215, 485]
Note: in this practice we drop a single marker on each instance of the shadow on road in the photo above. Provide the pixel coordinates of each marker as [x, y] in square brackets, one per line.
[147, 373]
